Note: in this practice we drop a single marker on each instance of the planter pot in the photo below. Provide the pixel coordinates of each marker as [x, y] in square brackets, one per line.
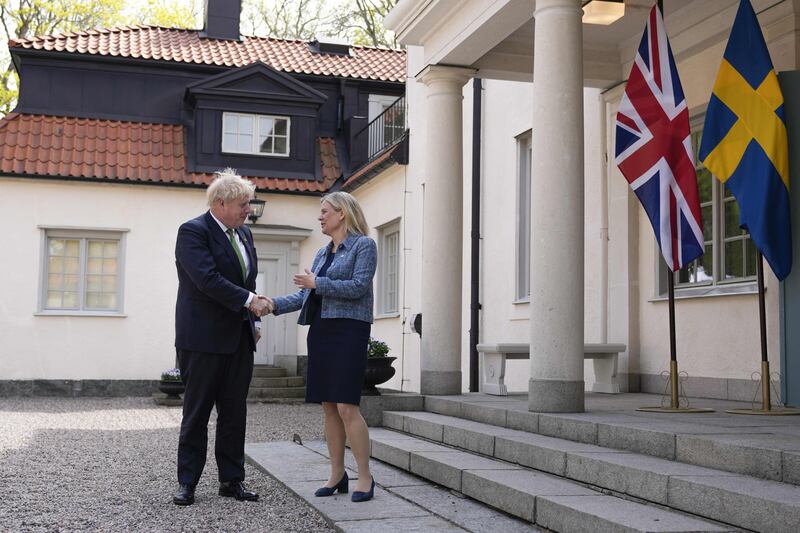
[379, 370]
[173, 389]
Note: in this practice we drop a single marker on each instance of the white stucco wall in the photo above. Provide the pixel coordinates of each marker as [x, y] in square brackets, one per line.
[503, 319]
[715, 336]
[381, 200]
[139, 344]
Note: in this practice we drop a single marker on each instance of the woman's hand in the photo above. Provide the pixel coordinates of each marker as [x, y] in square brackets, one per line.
[306, 281]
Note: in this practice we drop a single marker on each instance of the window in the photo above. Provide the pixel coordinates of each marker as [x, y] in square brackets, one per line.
[378, 104]
[389, 266]
[392, 123]
[524, 155]
[82, 271]
[255, 134]
[730, 255]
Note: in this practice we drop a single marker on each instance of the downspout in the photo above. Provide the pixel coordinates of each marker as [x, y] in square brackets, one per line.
[475, 237]
[604, 224]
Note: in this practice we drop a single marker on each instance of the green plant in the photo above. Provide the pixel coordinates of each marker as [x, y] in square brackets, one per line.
[377, 348]
[173, 374]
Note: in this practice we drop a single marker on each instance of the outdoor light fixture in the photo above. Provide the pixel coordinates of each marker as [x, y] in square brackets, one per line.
[256, 209]
[603, 12]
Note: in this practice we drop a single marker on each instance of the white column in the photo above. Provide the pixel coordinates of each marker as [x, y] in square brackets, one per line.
[556, 382]
[442, 231]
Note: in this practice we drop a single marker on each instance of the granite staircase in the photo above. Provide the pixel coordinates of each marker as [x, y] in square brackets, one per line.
[608, 472]
[271, 383]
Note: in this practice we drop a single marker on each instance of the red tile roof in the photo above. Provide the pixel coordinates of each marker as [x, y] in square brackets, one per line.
[186, 46]
[47, 146]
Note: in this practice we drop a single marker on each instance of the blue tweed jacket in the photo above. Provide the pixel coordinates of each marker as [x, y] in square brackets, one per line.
[346, 289]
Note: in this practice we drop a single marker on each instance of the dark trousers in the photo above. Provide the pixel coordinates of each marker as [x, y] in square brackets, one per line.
[222, 380]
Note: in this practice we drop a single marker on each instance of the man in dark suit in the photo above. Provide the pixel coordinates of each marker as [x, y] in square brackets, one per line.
[216, 331]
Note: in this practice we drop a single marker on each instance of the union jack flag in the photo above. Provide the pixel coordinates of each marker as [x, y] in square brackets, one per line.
[654, 150]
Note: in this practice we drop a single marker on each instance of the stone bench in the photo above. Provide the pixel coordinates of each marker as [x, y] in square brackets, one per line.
[495, 356]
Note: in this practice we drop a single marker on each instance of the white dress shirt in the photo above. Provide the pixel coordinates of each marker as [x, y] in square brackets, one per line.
[242, 250]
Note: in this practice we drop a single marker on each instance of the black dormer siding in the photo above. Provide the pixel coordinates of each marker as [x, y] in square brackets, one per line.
[135, 90]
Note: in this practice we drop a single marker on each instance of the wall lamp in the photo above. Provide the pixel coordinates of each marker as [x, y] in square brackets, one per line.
[603, 12]
[256, 209]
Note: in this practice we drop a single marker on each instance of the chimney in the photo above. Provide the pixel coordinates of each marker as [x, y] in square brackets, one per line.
[222, 20]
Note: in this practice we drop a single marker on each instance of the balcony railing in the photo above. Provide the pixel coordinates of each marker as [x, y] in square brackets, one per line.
[386, 129]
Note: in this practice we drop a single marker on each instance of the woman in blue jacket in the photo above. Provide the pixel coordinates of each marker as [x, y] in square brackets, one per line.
[335, 299]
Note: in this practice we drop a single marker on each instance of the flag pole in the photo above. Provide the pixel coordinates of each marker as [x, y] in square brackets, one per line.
[766, 403]
[674, 376]
[673, 358]
[762, 318]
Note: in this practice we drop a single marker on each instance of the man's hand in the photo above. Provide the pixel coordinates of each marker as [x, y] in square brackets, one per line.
[306, 281]
[270, 303]
[260, 306]
[258, 335]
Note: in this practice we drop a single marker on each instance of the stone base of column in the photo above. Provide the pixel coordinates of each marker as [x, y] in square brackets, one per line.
[437, 382]
[553, 396]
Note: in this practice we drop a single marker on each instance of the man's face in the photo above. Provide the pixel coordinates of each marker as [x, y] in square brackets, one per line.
[233, 213]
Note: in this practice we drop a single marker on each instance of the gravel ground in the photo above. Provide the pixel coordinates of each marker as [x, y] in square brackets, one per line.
[108, 464]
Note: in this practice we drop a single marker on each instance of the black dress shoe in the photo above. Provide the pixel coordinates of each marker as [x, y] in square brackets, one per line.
[236, 489]
[184, 496]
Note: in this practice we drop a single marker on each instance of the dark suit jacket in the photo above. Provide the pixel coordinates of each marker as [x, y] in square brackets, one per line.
[211, 292]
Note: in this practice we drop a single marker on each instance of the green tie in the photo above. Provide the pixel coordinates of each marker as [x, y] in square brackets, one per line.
[238, 253]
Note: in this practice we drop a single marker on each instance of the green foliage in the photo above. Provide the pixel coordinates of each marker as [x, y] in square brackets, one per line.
[356, 21]
[377, 348]
[285, 19]
[171, 14]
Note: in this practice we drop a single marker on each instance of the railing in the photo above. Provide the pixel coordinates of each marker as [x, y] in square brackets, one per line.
[386, 129]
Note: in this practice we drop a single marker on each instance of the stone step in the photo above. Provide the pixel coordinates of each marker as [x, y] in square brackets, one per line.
[402, 502]
[269, 371]
[764, 447]
[740, 500]
[543, 499]
[289, 381]
[276, 392]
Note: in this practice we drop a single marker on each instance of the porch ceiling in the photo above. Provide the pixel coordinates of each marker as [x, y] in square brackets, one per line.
[495, 37]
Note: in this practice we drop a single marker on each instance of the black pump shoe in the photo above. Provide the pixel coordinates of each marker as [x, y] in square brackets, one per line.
[341, 487]
[359, 496]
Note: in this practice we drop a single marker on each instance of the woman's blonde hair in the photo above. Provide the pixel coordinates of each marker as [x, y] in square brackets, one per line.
[343, 202]
[228, 186]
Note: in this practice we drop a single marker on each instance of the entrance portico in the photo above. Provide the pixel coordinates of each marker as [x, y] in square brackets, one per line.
[556, 310]
[561, 55]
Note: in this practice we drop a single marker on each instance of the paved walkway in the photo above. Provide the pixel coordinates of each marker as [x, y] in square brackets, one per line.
[101, 464]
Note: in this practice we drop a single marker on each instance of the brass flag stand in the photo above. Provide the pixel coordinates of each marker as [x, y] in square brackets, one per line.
[766, 404]
[674, 404]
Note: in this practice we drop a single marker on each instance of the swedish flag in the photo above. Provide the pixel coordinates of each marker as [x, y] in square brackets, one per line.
[744, 140]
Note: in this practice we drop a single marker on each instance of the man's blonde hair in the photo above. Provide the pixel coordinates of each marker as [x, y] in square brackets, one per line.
[228, 186]
[354, 221]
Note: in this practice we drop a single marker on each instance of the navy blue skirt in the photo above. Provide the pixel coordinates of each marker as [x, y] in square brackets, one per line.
[337, 359]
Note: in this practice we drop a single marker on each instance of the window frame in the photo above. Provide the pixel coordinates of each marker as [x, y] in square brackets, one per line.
[83, 235]
[256, 134]
[384, 257]
[522, 244]
[717, 285]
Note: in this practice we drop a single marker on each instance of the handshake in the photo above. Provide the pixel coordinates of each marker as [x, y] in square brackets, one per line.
[261, 305]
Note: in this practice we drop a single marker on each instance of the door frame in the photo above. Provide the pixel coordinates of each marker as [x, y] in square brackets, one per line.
[263, 236]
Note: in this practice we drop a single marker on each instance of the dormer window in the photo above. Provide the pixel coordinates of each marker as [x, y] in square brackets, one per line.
[255, 134]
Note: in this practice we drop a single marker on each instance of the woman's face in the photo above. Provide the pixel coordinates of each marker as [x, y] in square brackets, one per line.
[330, 220]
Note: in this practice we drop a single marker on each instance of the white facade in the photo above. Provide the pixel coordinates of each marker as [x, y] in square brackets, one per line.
[623, 297]
[138, 342]
[717, 333]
